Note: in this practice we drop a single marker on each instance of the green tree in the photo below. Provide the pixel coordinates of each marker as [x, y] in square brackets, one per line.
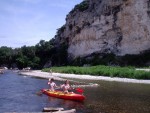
[5, 56]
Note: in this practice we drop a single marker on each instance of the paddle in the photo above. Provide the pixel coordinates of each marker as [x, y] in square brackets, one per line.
[79, 90]
[39, 93]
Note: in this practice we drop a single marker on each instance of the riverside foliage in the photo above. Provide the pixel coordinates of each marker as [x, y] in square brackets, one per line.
[33, 56]
[100, 70]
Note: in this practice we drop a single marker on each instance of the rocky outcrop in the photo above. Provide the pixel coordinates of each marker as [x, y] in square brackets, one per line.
[107, 26]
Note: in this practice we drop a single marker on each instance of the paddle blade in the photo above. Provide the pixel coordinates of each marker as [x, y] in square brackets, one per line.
[79, 90]
[39, 93]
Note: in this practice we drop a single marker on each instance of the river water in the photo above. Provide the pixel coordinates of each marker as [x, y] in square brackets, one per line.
[19, 94]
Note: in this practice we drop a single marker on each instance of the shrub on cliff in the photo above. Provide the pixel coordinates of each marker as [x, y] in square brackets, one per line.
[81, 7]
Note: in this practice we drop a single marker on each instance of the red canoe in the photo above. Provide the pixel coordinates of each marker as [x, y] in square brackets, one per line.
[62, 95]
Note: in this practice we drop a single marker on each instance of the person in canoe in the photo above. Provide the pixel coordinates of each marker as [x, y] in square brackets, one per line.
[52, 84]
[66, 86]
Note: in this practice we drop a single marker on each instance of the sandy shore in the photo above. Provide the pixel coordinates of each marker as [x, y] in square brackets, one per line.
[61, 76]
[40, 74]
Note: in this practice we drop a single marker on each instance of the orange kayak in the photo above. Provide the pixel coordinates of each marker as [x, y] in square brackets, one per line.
[62, 95]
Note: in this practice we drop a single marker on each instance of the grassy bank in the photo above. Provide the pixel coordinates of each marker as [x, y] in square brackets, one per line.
[123, 72]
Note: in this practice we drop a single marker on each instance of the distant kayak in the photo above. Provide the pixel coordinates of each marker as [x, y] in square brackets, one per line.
[62, 95]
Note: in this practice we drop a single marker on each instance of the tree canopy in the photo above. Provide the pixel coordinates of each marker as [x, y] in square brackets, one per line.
[33, 56]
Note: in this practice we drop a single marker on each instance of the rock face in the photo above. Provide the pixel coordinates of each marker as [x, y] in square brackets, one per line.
[107, 26]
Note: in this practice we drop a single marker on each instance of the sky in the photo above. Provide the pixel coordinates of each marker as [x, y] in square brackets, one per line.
[26, 22]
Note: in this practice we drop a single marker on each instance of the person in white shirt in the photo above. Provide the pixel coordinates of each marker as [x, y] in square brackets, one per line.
[52, 84]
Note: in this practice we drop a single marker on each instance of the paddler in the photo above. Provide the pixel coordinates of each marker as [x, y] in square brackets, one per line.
[52, 84]
[66, 86]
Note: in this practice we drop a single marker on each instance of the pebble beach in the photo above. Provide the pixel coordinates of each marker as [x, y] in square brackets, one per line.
[62, 77]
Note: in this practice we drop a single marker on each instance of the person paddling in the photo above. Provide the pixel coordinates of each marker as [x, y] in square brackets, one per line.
[66, 86]
[52, 84]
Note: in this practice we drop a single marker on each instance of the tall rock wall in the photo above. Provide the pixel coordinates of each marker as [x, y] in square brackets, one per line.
[107, 26]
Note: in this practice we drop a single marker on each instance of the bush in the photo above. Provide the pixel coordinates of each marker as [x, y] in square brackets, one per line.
[81, 7]
[100, 70]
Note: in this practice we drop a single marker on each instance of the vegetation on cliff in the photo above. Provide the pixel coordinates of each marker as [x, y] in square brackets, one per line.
[81, 7]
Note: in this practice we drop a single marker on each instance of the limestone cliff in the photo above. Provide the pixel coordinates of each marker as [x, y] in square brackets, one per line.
[107, 26]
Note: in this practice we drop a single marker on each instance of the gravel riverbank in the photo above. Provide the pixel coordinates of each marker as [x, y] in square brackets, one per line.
[61, 76]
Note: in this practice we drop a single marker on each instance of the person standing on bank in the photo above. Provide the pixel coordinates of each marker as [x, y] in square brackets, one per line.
[50, 71]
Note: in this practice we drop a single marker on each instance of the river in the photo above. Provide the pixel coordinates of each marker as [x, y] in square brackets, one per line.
[19, 94]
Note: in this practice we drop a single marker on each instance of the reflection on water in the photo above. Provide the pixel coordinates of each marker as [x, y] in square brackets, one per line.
[115, 97]
[65, 103]
[18, 93]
